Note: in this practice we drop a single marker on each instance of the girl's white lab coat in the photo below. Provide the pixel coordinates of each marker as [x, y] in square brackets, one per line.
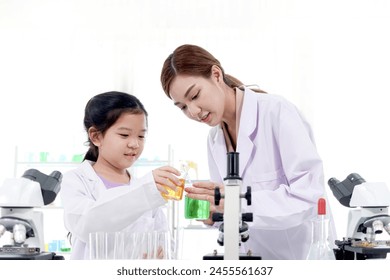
[90, 207]
[278, 159]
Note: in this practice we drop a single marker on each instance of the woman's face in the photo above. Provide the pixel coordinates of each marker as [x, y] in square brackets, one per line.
[200, 99]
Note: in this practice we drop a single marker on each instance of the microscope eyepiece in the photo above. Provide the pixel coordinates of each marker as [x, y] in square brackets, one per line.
[332, 182]
[233, 167]
[355, 178]
[50, 184]
[343, 190]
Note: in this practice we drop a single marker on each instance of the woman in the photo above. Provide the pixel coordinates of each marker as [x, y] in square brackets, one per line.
[277, 153]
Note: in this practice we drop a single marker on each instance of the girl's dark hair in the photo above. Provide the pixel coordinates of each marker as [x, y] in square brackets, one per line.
[193, 60]
[103, 110]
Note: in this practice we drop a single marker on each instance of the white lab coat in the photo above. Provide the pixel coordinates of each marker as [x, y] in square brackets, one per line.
[278, 159]
[90, 207]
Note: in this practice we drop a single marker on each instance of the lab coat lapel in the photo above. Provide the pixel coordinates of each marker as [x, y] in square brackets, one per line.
[218, 151]
[248, 124]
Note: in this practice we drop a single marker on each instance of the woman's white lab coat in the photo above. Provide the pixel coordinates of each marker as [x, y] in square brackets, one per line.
[278, 159]
[90, 207]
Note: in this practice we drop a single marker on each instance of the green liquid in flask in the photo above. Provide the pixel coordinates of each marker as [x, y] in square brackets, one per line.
[196, 209]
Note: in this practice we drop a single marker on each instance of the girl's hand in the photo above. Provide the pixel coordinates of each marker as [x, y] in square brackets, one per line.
[166, 176]
[205, 191]
[160, 253]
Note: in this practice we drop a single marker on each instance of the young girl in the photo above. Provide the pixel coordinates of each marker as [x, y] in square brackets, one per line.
[101, 195]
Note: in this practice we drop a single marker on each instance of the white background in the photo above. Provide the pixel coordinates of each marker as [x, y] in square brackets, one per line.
[280, 269]
[331, 58]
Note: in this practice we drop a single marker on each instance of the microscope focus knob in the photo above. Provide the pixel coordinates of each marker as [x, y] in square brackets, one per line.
[217, 217]
[217, 196]
[247, 217]
[248, 195]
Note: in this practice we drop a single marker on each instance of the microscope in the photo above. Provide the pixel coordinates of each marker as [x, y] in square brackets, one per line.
[21, 227]
[233, 230]
[367, 219]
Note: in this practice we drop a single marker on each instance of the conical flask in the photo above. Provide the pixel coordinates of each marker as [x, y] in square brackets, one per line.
[319, 248]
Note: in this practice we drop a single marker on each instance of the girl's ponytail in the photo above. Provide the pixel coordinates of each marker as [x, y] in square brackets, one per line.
[92, 153]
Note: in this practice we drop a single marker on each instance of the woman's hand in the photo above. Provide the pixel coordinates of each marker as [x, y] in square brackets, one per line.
[166, 176]
[205, 191]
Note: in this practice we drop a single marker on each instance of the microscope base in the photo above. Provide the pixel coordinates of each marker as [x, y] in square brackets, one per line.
[220, 257]
[38, 256]
[350, 254]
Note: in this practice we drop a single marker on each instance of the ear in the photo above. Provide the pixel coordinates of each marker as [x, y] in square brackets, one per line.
[94, 136]
[216, 74]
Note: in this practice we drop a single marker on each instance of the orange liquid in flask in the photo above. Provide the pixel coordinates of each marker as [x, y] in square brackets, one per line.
[175, 195]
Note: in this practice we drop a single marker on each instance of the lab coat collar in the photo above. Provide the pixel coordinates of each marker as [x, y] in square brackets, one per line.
[90, 175]
[88, 172]
[247, 127]
[218, 150]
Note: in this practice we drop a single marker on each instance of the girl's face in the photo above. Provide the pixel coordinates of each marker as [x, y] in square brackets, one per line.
[200, 99]
[122, 144]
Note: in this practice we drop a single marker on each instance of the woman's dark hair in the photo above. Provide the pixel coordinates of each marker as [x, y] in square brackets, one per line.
[193, 60]
[103, 110]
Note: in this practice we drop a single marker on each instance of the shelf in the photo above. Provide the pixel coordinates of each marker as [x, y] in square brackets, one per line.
[137, 163]
[53, 214]
[47, 162]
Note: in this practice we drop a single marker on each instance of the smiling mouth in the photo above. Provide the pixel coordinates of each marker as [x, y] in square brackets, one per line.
[204, 118]
[131, 155]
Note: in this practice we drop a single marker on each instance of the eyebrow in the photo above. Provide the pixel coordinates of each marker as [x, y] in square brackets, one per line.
[186, 94]
[129, 129]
